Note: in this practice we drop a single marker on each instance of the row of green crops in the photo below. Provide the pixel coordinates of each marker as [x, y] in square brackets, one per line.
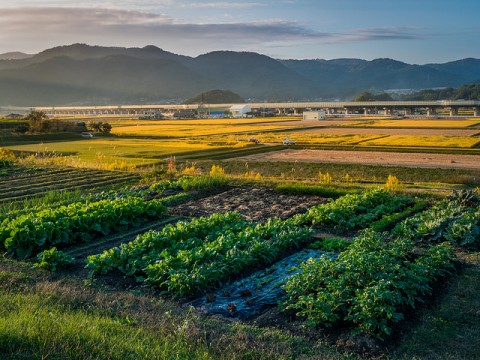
[30, 233]
[354, 211]
[368, 286]
[189, 257]
[455, 219]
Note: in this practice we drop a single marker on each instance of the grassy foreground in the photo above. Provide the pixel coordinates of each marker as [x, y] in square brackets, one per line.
[44, 316]
[59, 318]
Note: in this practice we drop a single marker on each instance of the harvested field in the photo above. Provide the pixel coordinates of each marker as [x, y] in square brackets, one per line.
[422, 160]
[256, 204]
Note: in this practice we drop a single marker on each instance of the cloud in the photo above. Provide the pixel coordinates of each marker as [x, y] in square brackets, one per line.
[44, 27]
[222, 5]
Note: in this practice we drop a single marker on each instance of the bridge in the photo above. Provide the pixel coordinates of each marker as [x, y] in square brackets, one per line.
[340, 108]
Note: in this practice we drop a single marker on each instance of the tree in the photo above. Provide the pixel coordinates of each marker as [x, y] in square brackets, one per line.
[106, 128]
[36, 120]
[368, 96]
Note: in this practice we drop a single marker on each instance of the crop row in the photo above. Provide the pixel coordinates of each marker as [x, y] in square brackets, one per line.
[455, 219]
[368, 286]
[30, 233]
[354, 211]
[189, 257]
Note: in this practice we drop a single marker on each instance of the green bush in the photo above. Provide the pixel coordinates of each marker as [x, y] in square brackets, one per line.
[53, 260]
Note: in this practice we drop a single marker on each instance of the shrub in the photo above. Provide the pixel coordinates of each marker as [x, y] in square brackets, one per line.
[7, 158]
[217, 170]
[53, 259]
[392, 183]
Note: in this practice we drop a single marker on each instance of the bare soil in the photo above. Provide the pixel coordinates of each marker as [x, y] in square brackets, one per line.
[422, 160]
[256, 204]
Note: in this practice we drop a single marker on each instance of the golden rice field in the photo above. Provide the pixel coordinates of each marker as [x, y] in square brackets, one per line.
[429, 141]
[143, 142]
[413, 123]
[164, 130]
[307, 138]
[212, 122]
[315, 139]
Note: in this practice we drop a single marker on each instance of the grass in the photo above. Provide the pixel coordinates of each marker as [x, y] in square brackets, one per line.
[88, 153]
[41, 317]
[357, 174]
[318, 190]
[449, 330]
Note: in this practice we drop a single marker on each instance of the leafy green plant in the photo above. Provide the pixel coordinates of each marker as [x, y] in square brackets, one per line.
[455, 219]
[53, 260]
[189, 257]
[32, 232]
[334, 244]
[368, 285]
[354, 211]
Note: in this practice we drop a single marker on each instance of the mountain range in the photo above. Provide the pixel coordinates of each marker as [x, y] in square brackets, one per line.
[81, 74]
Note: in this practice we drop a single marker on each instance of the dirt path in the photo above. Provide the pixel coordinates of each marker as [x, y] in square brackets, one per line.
[446, 161]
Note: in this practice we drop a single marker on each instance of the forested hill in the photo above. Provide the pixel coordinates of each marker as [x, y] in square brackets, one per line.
[81, 74]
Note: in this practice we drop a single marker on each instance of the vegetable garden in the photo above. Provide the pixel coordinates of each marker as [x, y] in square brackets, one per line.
[358, 261]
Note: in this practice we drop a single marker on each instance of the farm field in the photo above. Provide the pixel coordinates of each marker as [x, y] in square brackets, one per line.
[420, 123]
[144, 143]
[306, 137]
[425, 160]
[193, 130]
[392, 131]
[174, 245]
[208, 245]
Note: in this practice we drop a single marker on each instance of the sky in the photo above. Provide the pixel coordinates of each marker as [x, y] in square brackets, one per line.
[413, 31]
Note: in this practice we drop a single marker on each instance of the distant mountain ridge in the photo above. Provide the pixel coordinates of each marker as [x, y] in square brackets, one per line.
[81, 74]
[14, 55]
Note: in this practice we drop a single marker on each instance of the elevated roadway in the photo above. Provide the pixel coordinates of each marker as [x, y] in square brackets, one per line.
[428, 108]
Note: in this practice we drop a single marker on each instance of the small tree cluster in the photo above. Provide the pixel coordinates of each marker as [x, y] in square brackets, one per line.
[99, 126]
[38, 122]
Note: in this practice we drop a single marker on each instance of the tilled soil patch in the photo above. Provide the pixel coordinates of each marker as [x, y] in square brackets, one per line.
[257, 204]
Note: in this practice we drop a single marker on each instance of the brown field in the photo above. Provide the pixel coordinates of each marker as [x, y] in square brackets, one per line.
[445, 161]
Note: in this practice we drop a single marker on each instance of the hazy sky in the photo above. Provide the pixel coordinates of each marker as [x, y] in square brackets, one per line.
[414, 31]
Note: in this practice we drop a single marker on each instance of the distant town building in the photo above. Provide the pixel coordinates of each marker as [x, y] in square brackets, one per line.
[14, 116]
[240, 111]
[314, 115]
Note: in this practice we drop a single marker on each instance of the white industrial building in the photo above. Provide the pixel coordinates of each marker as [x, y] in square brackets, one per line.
[240, 111]
[314, 115]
